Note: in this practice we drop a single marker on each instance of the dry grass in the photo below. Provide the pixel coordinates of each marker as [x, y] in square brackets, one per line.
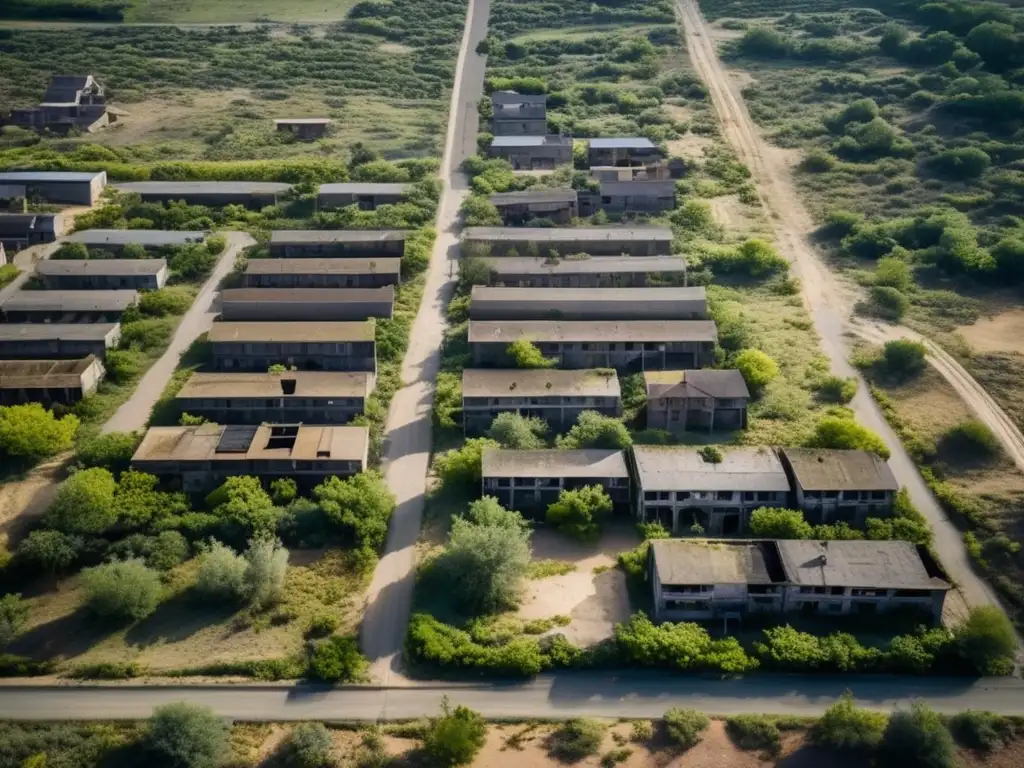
[222, 11]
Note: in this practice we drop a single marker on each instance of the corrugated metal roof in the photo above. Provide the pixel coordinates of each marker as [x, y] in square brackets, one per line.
[678, 468]
[149, 237]
[364, 188]
[507, 331]
[568, 234]
[113, 267]
[259, 332]
[625, 142]
[519, 382]
[586, 463]
[834, 470]
[866, 564]
[26, 177]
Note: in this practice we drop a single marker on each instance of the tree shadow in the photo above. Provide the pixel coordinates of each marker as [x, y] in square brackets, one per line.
[178, 619]
[811, 756]
[67, 636]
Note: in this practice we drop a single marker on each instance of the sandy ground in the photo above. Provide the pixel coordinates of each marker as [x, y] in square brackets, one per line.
[1002, 333]
[27, 498]
[737, 217]
[594, 601]
[692, 146]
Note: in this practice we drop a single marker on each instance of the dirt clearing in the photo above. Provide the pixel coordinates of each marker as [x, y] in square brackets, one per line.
[1001, 333]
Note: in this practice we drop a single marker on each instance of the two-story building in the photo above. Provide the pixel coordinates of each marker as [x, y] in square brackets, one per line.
[640, 197]
[251, 194]
[67, 306]
[530, 481]
[115, 240]
[198, 459]
[306, 304]
[368, 196]
[625, 151]
[322, 273]
[50, 382]
[503, 303]
[103, 274]
[308, 346]
[557, 205]
[292, 397]
[566, 241]
[557, 397]
[831, 485]
[591, 272]
[533, 153]
[71, 102]
[57, 341]
[702, 399]
[679, 487]
[338, 243]
[518, 114]
[626, 345]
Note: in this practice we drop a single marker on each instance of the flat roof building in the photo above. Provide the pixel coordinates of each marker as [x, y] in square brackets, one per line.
[628, 345]
[301, 304]
[322, 273]
[368, 196]
[565, 241]
[50, 382]
[311, 397]
[518, 114]
[533, 153]
[252, 194]
[103, 274]
[23, 230]
[200, 458]
[557, 205]
[66, 306]
[623, 151]
[48, 341]
[503, 303]
[114, 240]
[338, 243]
[557, 397]
[832, 485]
[529, 481]
[71, 187]
[646, 197]
[594, 272]
[309, 346]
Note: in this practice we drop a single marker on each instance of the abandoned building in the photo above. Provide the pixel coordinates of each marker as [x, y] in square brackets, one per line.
[518, 114]
[533, 153]
[50, 382]
[57, 341]
[622, 152]
[557, 397]
[500, 303]
[197, 459]
[299, 304]
[658, 170]
[566, 241]
[293, 397]
[103, 274]
[304, 128]
[701, 579]
[67, 306]
[307, 346]
[626, 345]
[69, 187]
[365, 195]
[833, 485]
[557, 205]
[251, 194]
[529, 481]
[597, 272]
[350, 243]
[23, 230]
[644, 197]
[679, 487]
[322, 273]
[70, 102]
[710, 400]
[115, 240]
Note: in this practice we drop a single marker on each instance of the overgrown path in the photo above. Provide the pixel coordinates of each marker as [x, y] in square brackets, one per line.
[408, 433]
[134, 412]
[822, 292]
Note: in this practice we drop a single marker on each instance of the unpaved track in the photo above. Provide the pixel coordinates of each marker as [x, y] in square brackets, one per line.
[823, 294]
[408, 434]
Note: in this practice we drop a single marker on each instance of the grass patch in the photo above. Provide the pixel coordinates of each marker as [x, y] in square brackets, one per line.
[542, 569]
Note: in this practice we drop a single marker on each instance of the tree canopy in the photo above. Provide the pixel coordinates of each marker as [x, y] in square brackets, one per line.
[580, 512]
[31, 433]
[595, 430]
[845, 433]
[360, 506]
[85, 503]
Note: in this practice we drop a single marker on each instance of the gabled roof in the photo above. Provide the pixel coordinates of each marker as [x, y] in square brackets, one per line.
[521, 382]
[834, 470]
[586, 463]
[724, 384]
[680, 468]
[867, 564]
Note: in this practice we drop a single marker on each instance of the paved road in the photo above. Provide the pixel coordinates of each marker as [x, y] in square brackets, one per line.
[134, 413]
[822, 292]
[408, 431]
[635, 694]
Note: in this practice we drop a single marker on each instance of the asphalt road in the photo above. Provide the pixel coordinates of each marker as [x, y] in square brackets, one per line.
[134, 413]
[407, 436]
[638, 695]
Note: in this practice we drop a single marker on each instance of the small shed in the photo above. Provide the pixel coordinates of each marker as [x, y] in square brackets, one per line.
[303, 128]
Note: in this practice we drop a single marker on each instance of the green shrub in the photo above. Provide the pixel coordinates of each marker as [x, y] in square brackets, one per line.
[462, 467]
[112, 451]
[980, 730]
[50, 551]
[337, 660]
[711, 454]
[775, 523]
[887, 302]
[685, 726]
[266, 565]
[765, 42]
[580, 512]
[32, 433]
[216, 244]
[309, 745]
[165, 302]
[987, 641]
[122, 590]
[844, 726]
[323, 624]
[684, 646]
[518, 432]
[836, 389]
[221, 575]
[755, 732]
[576, 739]
[107, 670]
[758, 369]
[970, 439]
[13, 618]
[84, 503]
[188, 736]
[893, 272]
[844, 433]
[961, 163]
[595, 430]
[903, 358]
[455, 737]
[359, 506]
[916, 737]
[525, 354]
[283, 491]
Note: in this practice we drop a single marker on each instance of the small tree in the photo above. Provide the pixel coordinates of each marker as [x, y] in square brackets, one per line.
[987, 642]
[685, 726]
[894, 273]
[487, 511]
[283, 491]
[595, 430]
[50, 551]
[916, 737]
[222, 574]
[711, 454]
[462, 467]
[308, 746]
[243, 501]
[266, 564]
[757, 368]
[112, 451]
[580, 512]
[524, 354]
[845, 433]
[576, 739]
[844, 726]
[904, 358]
[13, 617]
[71, 252]
[455, 737]
[336, 660]
[361, 506]
[188, 736]
[836, 389]
[970, 440]
[31, 433]
[85, 503]
[512, 430]
[122, 590]
[772, 523]
[888, 303]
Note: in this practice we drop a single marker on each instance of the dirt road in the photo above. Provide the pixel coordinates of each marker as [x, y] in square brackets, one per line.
[134, 413]
[823, 293]
[408, 431]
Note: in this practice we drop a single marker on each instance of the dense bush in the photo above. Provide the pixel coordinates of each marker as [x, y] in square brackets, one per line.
[916, 737]
[979, 730]
[774, 523]
[337, 660]
[188, 736]
[971, 440]
[580, 512]
[524, 354]
[835, 389]
[845, 433]
[755, 732]
[512, 430]
[987, 642]
[221, 575]
[894, 273]
[51, 552]
[112, 451]
[31, 433]
[904, 358]
[595, 430]
[121, 590]
[758, 369]
[576, 739]
[84, 503]
[13, 617]
[309, 745]
[685, 726]
[964, 163]
[683, 646]
[266, 565]
[887, 302]
[440, 645]
[462, 467]
[242, 500]
[845, 726]
[455, 737]
[360, 507]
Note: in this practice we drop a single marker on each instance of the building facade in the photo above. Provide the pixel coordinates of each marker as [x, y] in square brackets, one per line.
[322, 273]
[557, 397]
[626, 151]
[637, 197]
[557, 205]
[565, 241]
[50, 382]
[348, 244]
[518, 114]
[365, 195]
[831, 485]
[67, 306]
[70, 187]
[711, 400]
[503, 303]
[679, 488]
[307, 346]
[103, 274]
[23, 230]
[533, 153]
[306, 304]
[56, 341]
[591, 272]
[70, 102]
[251, 194]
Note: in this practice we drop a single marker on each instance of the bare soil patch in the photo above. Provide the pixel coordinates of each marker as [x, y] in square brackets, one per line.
[1001, 333]
[24, 499]
[395, 48]
[741, 79]
[735, 216]
[692, 145]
